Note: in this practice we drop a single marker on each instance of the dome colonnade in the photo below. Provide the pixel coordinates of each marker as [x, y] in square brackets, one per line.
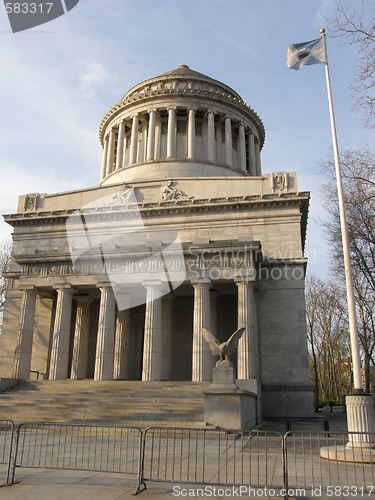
[177, 116]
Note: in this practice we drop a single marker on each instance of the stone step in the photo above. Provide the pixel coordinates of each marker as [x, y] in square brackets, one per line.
[99, 388]
[107, 403]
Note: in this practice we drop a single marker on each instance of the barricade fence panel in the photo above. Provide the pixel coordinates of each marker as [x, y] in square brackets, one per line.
[211, 456]
[329, 462]
[6, 446]
[78, 447]
[338, 463]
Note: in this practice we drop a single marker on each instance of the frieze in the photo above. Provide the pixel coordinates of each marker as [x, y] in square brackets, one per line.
[194, 259]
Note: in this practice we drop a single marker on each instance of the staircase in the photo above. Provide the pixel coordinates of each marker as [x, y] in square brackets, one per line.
[114, 403]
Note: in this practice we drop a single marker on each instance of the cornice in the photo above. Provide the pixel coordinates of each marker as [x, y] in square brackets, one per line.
[172, 207]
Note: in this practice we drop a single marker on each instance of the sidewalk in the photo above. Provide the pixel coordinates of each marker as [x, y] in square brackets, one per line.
[42, 484]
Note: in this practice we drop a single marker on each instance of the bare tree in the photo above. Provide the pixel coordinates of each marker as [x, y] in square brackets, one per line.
[354, 22]
[328, 340]
[358, 174]
[5, 253]
[313, 286]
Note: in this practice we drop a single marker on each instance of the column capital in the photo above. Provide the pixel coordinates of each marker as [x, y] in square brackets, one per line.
[201, 283]
[135, 115]
[103, 285]
[67, 287]
[241, 124]
[191, 108]
[227, 117]
[152, 110]
[244, 281]
[29, 288]
[172, 108]
[211, 111]
[152, 283]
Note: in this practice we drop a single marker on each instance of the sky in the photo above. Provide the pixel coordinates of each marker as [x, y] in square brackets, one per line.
[58, 80]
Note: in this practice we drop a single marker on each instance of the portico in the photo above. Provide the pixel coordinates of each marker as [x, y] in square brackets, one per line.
[164, 340]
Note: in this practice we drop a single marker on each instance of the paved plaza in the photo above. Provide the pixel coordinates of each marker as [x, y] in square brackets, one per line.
[65, 484]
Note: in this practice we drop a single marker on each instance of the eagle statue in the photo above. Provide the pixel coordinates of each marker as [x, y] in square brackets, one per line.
[223, 349]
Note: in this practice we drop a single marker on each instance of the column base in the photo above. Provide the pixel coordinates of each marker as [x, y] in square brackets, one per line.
[361, 432]
[361, 419]
[348, 454]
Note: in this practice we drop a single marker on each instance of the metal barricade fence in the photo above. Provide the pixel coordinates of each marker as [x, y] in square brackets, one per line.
[78, 447]
[326, 461]
[6, 447]
[214, 457]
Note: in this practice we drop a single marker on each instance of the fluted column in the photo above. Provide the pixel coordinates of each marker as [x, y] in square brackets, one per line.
[120, 146]
[121, 359]
[157, 140]
[202, 357]
[211, 136]
[134, 140]
[144, 143]
[125, 148]
[252, 162]
[213, 314]
[166, 338]
[151, 368]
[61, 332]
[25, 329]
[228, 141]
[171, 138]
[111, 152]
[81, 339]
[247, 366]
[242, 144]
[257, 158]
[151, 135]
[104, 160]
[191, 133]
[106, 334]
[360, 418]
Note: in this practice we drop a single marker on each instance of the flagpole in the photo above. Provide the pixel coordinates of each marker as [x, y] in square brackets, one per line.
[345, 241]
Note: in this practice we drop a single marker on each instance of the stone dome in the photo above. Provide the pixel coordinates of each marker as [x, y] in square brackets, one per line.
[181, 123]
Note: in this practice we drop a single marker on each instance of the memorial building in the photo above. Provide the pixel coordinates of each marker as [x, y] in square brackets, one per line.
[182, 195]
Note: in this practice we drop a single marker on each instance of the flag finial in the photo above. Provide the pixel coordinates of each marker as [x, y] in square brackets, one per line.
[322, 32]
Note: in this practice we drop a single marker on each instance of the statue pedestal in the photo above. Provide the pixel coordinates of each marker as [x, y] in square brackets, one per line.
[226, 405]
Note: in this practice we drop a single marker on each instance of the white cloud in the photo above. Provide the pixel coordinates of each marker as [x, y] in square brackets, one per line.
[325, 11]
[94, 76]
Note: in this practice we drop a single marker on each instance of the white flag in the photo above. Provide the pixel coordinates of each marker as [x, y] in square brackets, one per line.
[301, 54]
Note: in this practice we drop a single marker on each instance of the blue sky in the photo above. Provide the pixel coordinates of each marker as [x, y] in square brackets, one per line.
[58, 80]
